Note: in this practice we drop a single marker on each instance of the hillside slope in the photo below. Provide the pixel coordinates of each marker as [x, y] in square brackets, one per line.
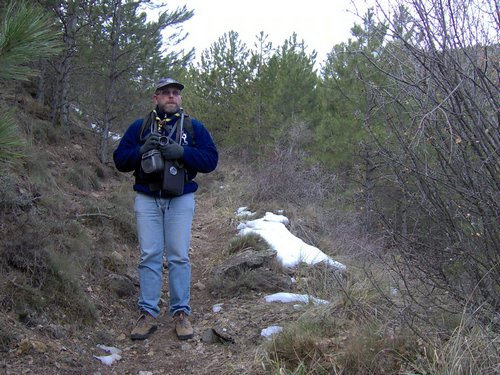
[67, 214]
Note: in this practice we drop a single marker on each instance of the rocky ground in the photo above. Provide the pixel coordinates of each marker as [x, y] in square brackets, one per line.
[225, 341]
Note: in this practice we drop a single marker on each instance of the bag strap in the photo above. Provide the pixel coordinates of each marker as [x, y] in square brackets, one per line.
[147, 121]
[181, 128]
[188, 125]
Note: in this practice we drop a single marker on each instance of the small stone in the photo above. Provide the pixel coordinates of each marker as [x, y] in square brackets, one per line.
[23, 347]
[208, 336]
[121, 337]
[121, 285]
[56, 331]
[199, 285]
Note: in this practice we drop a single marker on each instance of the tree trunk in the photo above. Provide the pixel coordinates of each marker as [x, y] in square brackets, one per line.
[112, 79]
[61, 102]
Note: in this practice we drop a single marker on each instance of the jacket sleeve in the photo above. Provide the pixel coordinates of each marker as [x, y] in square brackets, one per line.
[127, 156]
[203, 156]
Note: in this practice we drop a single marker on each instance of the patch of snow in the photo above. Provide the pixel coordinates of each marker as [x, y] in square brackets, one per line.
[271, 330]
[290, 249]
[217, 307]
[293, 297]
[109, 359]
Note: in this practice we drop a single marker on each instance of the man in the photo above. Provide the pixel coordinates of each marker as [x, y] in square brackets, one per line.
[163, 219]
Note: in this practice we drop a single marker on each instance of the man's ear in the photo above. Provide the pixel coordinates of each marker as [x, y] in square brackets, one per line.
[153, 99]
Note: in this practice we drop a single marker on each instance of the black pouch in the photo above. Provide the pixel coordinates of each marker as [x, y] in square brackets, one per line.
[174, 177]
[152, 162]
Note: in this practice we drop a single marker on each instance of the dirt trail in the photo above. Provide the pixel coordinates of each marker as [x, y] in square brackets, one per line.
[240, 321]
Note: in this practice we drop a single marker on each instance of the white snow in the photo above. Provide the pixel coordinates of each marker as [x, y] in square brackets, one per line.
[217, 307]
[271, 330]
[243, 211]
[290, 249]
[293, 297]
[115, 354]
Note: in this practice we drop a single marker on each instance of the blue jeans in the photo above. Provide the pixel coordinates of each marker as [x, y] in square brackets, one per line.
[164, 225]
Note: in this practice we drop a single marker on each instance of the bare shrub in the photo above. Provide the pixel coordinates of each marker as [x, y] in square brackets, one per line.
[442, 149]
[286, 176]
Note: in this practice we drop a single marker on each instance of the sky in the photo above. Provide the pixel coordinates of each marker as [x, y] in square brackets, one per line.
[320, 23]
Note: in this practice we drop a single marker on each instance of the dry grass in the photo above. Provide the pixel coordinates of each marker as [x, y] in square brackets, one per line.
[121, 207]
[364, 329]
[354, 334]
[84, 177]
[251, 241]
[472, 350]
[42, 268]
[43, 275]
[6, 336]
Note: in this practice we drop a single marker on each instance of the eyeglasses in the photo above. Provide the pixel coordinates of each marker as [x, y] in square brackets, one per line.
[167, 92]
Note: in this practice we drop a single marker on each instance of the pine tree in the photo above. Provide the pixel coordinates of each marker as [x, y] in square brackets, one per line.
[222, 85]
[27, 33]
[350, 86]
[288, 84]
[123, 55]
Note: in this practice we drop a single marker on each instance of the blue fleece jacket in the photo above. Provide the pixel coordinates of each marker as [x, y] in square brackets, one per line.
[200, 155]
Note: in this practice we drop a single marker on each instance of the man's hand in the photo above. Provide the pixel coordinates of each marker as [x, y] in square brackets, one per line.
[152, 142]
[172, 151]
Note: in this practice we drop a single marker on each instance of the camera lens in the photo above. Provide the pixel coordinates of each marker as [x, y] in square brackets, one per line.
[163, 141]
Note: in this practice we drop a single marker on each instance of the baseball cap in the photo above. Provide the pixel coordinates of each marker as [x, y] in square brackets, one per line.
[169, 82]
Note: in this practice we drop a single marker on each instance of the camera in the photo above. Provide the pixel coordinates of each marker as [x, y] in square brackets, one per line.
[163, 141]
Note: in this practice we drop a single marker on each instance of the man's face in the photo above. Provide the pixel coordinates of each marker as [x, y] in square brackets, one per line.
[168, 98]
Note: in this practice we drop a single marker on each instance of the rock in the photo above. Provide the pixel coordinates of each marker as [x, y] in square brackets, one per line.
[250, 270]
[23, 347]
[208, 336]
[121, 337]
[121, 285]
[199, 285]
[267, 280]
[56, 331]
[212, 336]
[245, 260]
[115, 262]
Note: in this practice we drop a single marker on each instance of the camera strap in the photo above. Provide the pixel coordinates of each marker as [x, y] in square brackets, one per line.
[172, 130]
[151, 119]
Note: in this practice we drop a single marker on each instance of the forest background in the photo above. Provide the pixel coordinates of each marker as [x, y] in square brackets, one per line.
[394, 141]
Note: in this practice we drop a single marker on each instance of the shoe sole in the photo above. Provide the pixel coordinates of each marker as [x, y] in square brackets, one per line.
[144, 337]
[185, 337]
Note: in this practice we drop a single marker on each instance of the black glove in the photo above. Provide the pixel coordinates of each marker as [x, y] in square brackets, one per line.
[152, 141]
[172, 150]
